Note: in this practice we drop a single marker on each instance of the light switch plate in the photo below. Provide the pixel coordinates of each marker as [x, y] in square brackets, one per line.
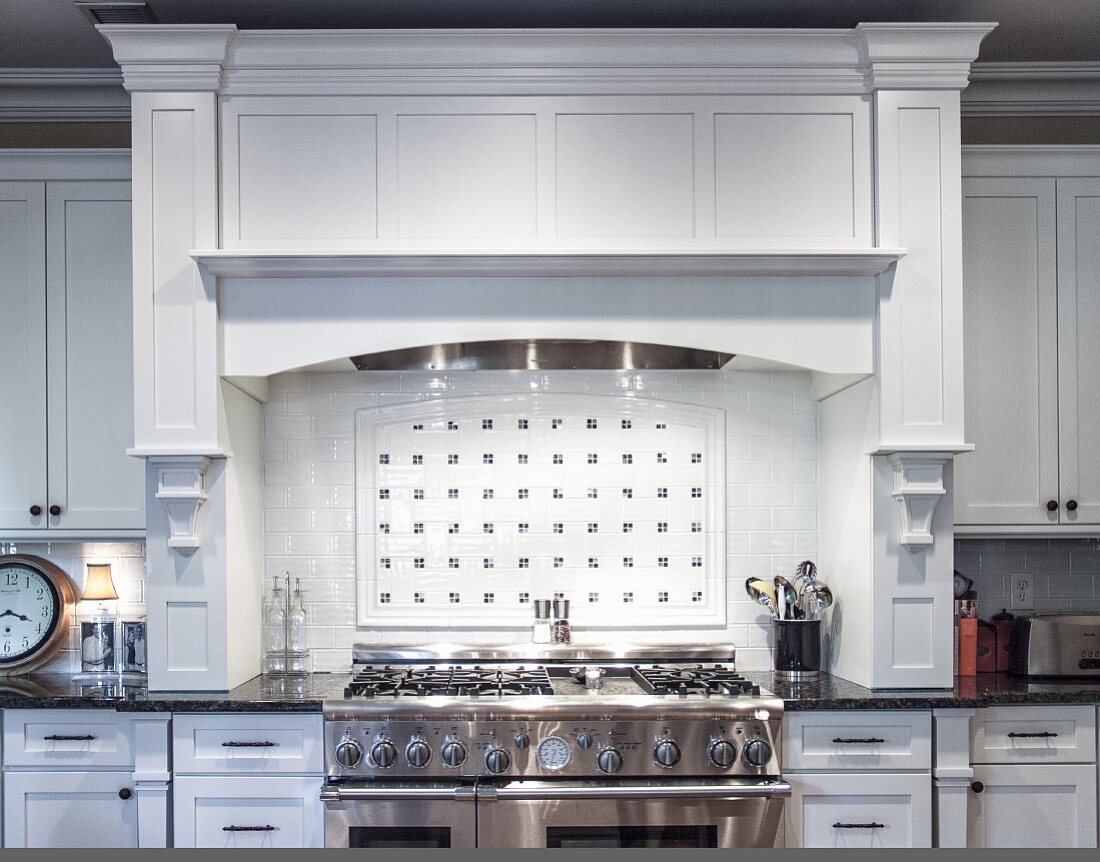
[1022, 594]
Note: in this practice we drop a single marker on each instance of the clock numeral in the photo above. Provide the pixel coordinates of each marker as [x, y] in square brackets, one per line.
[7, 647]
[39, 593]
[45, 611]
[26, 643]
[12, 579]
[38, 629]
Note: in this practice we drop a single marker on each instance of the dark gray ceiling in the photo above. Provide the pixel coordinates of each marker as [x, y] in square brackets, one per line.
[53, 34]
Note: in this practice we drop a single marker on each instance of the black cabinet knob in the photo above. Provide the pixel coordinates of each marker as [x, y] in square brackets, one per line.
[1052, 505]
[125, 793]
[36, 510]
[55, 510]
[977, 786]
[1071, 505]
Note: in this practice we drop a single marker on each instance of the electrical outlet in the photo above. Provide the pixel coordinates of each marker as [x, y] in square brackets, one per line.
[1022, 596]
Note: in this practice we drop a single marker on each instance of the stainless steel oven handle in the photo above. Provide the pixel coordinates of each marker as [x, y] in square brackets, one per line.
[775, 789]
[332, 793]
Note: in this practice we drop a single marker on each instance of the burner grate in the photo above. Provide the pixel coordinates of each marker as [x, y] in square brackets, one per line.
[697, 679]
[451, 681]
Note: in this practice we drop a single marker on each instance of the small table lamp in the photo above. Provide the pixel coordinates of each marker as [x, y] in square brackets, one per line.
[97, 634]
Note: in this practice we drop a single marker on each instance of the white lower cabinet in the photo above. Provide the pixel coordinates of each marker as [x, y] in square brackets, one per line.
[1032, 806]
[859, 810]
[240, 811]
[70, 809]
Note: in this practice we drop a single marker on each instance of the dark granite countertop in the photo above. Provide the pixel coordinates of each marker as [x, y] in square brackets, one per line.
[272, 694]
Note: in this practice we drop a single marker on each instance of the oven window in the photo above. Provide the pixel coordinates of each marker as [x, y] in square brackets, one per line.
[393, 837]
[632, 836]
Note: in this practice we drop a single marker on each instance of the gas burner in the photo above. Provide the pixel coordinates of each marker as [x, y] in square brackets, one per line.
[718, 679]
[454, 681]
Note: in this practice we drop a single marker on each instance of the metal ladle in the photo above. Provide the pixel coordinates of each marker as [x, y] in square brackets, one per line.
[815, 598]
[762, 593]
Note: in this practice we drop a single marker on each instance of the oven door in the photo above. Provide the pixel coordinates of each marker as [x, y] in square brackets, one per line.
[631, 814]
[395, 815]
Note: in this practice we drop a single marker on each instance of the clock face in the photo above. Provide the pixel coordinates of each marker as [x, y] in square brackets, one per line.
[30, 611]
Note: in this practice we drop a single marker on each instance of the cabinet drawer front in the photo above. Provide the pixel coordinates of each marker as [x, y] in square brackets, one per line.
[857, 740]
[68, 738]
[1029, 734]
[248, 811]
[1032, 806]
[851, 810]
[247, 743]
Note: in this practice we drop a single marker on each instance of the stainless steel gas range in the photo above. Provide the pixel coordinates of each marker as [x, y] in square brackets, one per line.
[558, 747]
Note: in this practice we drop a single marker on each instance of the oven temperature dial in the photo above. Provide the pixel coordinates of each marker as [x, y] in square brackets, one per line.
[757, 753]
[348, 753]
[609, 760]
[383, 753]
[418, 753]
[453, 752]
[666, 752]
[723, 753]
[497, 760]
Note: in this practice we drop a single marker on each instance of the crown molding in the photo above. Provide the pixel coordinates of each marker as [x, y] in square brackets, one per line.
[106, 163]
[1030, 160]
[63, 96]
[1032, 89]
[921, 56]
[170, 57]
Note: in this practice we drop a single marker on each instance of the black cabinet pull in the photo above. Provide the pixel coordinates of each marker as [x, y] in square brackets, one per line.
[870, 740]
[1052, 505]
[249, 744]
[36, 510]
[1071, 505]
[871, 825]
[125, 793]
[267, 828]
[1043, 734]
[977, 787]
[55, 510]
[57, 737]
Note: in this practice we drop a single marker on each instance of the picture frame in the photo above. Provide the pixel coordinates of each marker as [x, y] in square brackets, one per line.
[97, 645]
[133, 652]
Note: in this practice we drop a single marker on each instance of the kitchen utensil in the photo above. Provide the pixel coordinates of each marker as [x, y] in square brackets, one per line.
[963, 584]
[786, 598]
[797, 649]
[815, 598]
[762, 593]
[805, 573]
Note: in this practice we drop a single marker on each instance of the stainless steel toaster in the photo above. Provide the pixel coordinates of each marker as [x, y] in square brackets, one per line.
[1055, 645]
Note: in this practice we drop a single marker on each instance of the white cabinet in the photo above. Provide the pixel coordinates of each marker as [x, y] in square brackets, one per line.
[66, 357]
[70, 809]
[1032, 806]
[1032, 303]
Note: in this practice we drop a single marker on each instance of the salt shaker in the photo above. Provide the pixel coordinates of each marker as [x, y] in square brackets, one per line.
[540, 630]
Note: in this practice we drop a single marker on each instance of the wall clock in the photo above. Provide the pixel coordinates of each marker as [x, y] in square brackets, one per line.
[36, 607]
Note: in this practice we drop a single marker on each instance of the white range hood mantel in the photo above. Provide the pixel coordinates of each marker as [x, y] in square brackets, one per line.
[342, 263]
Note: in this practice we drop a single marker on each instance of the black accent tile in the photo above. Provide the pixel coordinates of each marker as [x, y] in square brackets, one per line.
[486, 528]
[418, 562]
[523, 528]
[452, 493]
[662, 596]
[628, 562]
[627, 424]
[662, 457]
[593, 458]
[418, 493]
[559, 527]
[558, 494]
[521, 458]
[662, 526]
[628, 597]
[524, 562]
[628, 493]
[628, 527]
[418, 528]
[487, 563]
[628, 458]
[454, 598]
[452, 563]
[696, 526]
[452, 459]
[593, 597]
[696, 493]
[523, 493]
[486, 424]
[384, 528]
[662, 493]
[418, 460]
[384, 562]
[591, 424]
[452, 529]
[559, 562]
[593, 527]
[524, 598]
[487, 458]
[593, 562]
[487, 598]
[559, 458]
[418, 598]
[486, 493]
[696, 457]
[383, 459]
[593, 493]
[662, 562]
[452, 425]
[384, 598]
[697, 562]
[383, 493]
[521, 424]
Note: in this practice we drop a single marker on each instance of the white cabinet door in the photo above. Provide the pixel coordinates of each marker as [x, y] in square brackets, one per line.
[1011, 353]
[1032, 806]
[90, 374]
[859, 810]
[70, 809]
[22, 355]
[248, 811]
[1079, 349]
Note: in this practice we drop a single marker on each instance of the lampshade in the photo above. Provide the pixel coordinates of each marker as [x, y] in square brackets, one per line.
[98, 584]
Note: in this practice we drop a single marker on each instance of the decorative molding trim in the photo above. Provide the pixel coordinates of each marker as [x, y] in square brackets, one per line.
[918, 487]
[260, 263]
[1031, 160]
[170, 57]
[63, 95]
[66, 164]
[1032, 89]
[922, 56]
[181, 486]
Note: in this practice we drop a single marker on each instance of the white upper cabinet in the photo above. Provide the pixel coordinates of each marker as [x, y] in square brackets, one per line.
[66, 359]
[1032, 307]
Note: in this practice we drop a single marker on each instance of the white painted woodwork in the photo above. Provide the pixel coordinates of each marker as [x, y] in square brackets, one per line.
[1079, 349]
[205, 806]
[25, 743]
[1032, 89]
[951, 775]
[69, 809]
[89, 298]
[23, 354]
[1033, 806]
[900, 805]
[810, 741]
[1074, 728]
[198, 743]
[918, 488]
[181, 488]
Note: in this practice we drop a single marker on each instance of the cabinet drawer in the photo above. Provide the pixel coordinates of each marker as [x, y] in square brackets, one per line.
[853, 810]
[248, 811]
[1033, 734]
[247, 743]
[857, 740]
[68, 738]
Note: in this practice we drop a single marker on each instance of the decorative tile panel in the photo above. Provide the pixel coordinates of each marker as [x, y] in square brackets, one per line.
[467, 507]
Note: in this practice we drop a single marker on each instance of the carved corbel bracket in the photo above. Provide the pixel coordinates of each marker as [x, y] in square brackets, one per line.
[918, 488]
[181, 486]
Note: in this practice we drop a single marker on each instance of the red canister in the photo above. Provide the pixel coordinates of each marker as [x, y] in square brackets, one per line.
[987, 647]
[1002, 623]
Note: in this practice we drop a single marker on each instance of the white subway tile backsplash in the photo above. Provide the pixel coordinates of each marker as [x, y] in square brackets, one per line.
[1065, 572]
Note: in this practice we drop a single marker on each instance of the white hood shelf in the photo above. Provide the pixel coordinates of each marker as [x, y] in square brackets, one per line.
[261, 263]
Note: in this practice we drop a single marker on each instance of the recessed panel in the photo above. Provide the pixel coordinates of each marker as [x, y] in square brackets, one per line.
[625, 175]
[307, 177]
[187, 636]
[466, 175]
[912, 631]
[784, 175]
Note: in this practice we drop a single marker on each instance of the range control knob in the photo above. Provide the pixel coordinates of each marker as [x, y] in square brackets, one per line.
[497, 760]
[453, 753]
[521, 741]
[757, 753]
[584, 740]
[723, 753]
[383, 753]
[418, 753]
[609, 760]
[666, 752]
[348, 753]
